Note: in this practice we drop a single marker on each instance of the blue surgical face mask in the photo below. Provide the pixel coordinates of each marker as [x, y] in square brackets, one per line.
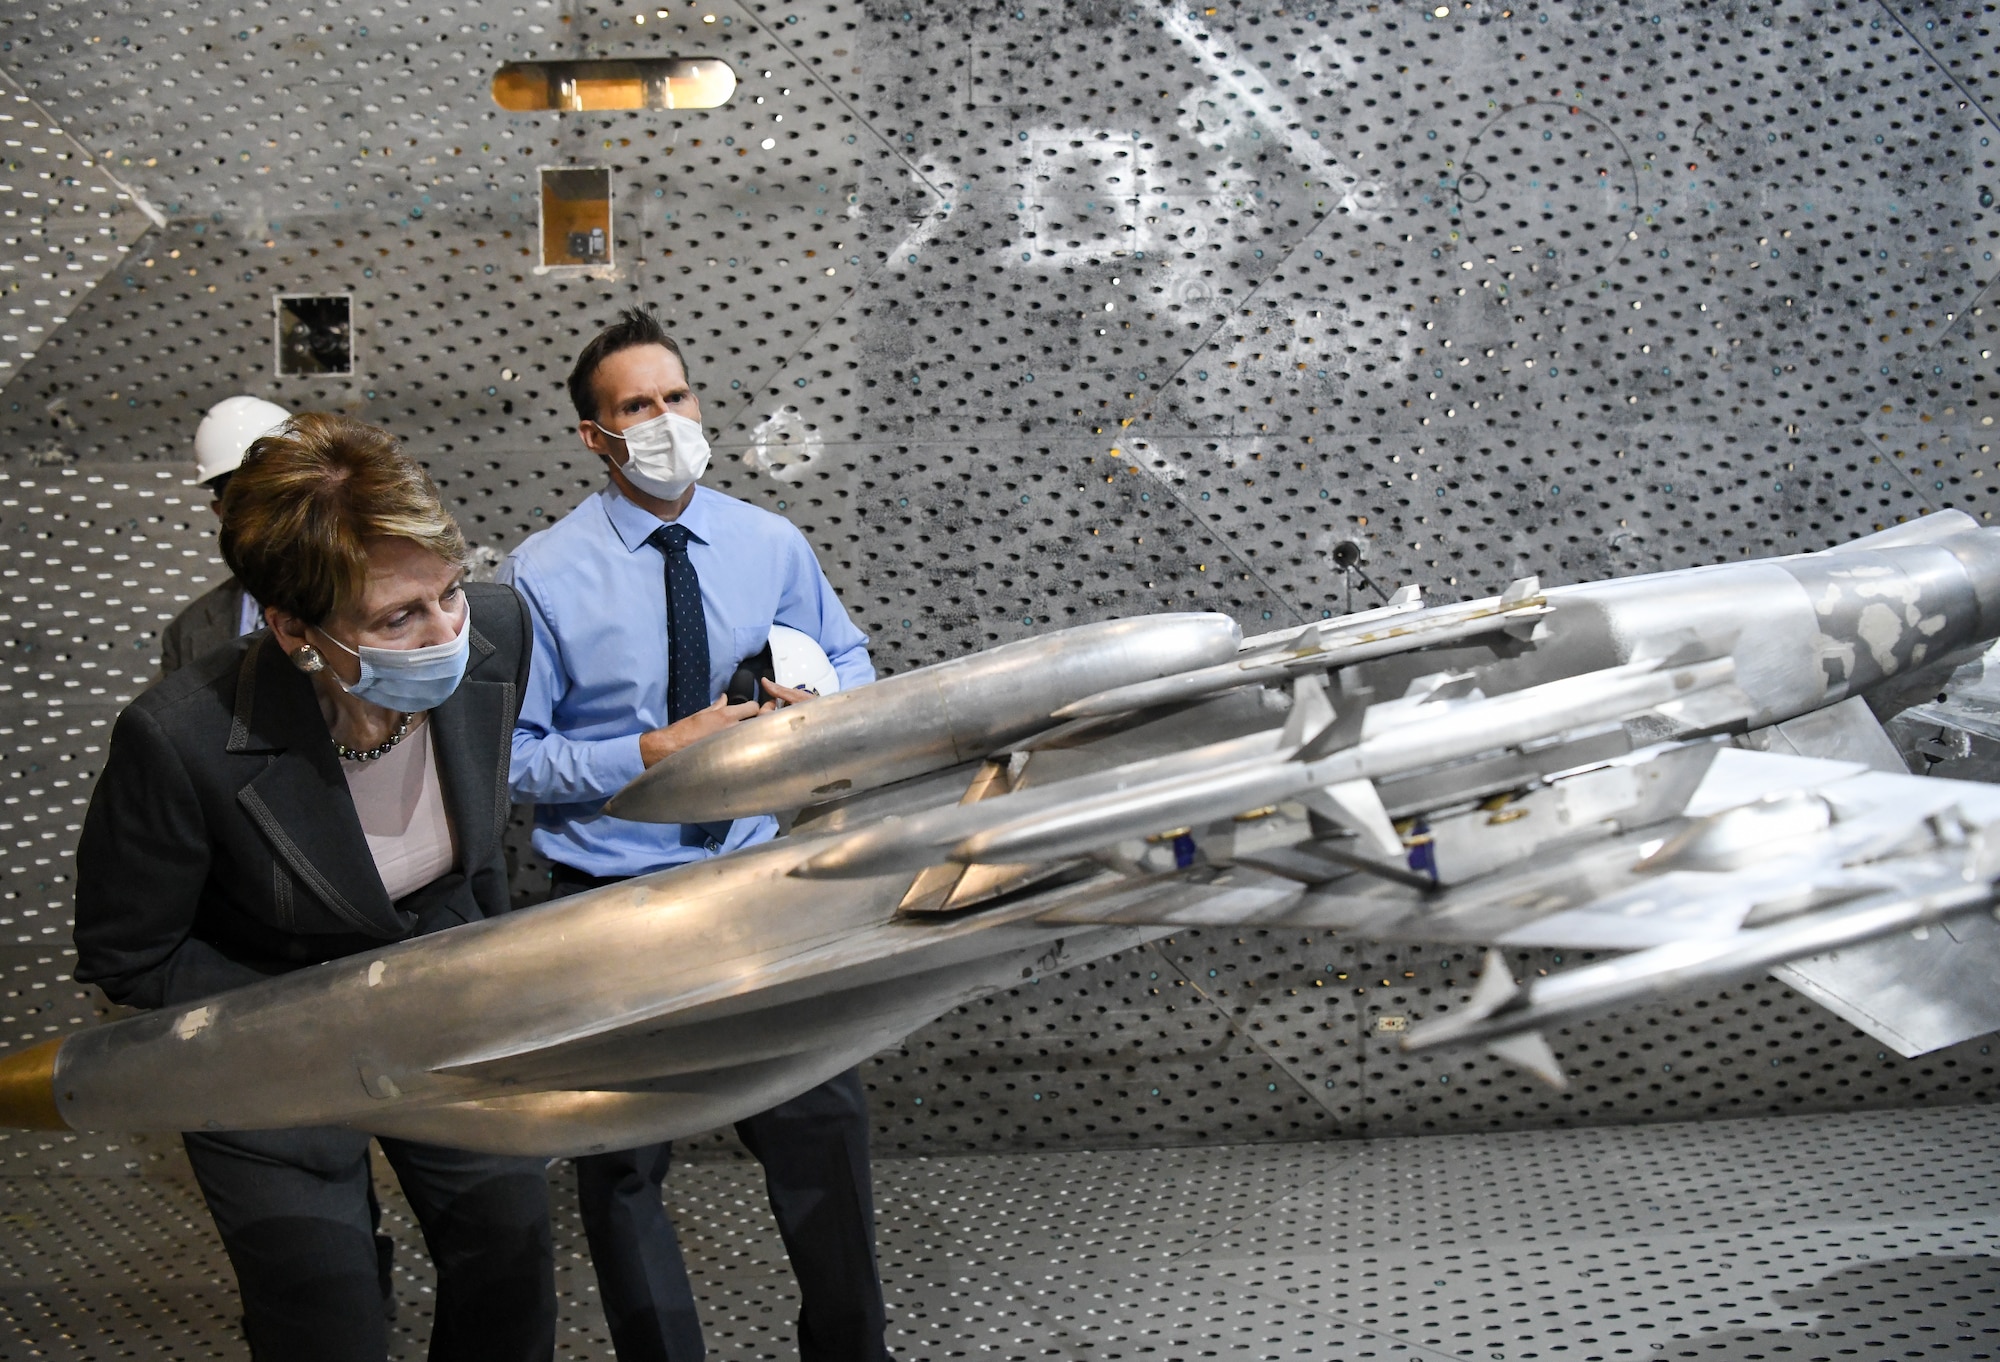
[409, 680]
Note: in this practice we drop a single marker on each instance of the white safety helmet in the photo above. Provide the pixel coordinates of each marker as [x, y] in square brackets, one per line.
[227, 432]
[798, 662]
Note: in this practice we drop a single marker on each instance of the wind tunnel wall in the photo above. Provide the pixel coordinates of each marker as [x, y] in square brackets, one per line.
[1029, 314]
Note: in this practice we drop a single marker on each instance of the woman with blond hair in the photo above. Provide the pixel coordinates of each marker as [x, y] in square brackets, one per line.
[334, 784]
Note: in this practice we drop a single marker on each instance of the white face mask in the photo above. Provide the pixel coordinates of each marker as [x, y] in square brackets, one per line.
[666, 455]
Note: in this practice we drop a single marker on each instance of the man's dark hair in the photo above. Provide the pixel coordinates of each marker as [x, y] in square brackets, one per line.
[635, 326]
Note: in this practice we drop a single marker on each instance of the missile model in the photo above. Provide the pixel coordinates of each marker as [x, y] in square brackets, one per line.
[1686, 770]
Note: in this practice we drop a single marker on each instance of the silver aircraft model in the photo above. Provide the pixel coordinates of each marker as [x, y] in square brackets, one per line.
[1684, 771]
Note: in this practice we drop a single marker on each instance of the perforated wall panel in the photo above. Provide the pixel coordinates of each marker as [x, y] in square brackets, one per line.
[1035, 313]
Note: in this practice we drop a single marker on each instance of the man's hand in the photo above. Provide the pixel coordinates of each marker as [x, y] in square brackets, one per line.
[664, 742]
[789, 695]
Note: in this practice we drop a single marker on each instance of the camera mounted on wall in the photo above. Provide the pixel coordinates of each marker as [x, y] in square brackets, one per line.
[1347, 555]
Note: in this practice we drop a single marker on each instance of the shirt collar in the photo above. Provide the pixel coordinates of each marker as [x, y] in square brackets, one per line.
[635, 524]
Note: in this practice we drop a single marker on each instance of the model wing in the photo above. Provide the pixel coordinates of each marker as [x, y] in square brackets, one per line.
[1760, 861]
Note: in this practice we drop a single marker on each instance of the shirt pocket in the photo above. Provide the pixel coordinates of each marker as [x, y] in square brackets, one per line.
[749, 642]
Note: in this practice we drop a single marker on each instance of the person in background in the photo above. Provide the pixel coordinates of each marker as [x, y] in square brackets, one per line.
[310, 792]
[644, 600]
[224, 612]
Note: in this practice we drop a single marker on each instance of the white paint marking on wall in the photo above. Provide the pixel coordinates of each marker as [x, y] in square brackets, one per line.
[1090, 185]
[784, 445]
[1150, 457]
[1264, 112]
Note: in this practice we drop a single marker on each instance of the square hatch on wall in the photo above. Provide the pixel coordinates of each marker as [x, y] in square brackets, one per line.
[576, 217]
[315, 334]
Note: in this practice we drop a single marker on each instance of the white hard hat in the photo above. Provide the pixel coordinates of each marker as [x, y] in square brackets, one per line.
[800, 663]
[227, 432]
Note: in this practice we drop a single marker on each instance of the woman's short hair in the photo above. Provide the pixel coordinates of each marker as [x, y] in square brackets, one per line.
[298, 515]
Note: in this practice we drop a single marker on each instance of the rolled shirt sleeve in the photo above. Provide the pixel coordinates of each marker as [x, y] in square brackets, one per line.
[547, 766]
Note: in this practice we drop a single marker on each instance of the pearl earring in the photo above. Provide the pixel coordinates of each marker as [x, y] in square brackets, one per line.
[308, 660]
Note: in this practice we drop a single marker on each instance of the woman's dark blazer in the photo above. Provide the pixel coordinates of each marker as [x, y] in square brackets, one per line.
[221, 845]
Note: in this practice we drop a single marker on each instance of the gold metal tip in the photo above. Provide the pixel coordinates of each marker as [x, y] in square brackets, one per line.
[28, 1088]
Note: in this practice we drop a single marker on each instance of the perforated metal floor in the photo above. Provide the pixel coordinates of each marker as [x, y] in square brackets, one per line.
[1851, 1238]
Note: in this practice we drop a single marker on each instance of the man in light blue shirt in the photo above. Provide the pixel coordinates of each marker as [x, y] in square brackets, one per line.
[644, 600]
[597, 598]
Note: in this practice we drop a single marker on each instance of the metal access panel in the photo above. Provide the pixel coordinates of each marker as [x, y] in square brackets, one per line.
[576, 217]
[1034, 314]
[315, 334]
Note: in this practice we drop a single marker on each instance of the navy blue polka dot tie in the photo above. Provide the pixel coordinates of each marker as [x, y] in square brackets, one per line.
[687, 656]
[687, 627]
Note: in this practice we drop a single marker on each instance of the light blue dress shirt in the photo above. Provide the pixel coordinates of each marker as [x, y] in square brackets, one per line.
[597, 597]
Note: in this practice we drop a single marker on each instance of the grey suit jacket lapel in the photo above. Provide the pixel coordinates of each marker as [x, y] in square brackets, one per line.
[299, 801]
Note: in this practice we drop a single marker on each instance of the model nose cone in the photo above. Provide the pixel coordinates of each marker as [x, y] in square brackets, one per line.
[924, 720]
[28, 1088]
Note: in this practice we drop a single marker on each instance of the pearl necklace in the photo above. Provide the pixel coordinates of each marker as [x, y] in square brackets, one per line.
[380, 749]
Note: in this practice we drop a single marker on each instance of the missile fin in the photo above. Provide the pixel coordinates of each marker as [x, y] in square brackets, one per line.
[1311, 711]
[1529, 1050]
[995, 776]
[1496, 986]
[1496, 992]
[932, 889]
[1443, 686]
[982, 882]
[1344, 731]
[1305, 645]
[1407, 595]
[1354, 804]
[1520, 591]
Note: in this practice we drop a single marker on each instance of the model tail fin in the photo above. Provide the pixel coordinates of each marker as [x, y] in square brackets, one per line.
[1530, 1051]
[1355, 805]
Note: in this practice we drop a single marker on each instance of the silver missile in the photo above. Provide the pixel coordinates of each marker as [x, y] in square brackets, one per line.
[922, 839]
[1336, 643]
[1406, 600]
[1089, 813]
[1341, 783]
[924, 720]
[1508, 1019]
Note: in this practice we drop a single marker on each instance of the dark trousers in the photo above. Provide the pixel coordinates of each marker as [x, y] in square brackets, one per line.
[293, 1210]
[814, 1150]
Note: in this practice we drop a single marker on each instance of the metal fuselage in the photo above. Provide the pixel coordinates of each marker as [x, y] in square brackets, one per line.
[693, 997]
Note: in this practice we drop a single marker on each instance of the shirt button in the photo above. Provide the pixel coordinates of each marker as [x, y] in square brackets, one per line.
[713, 845]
